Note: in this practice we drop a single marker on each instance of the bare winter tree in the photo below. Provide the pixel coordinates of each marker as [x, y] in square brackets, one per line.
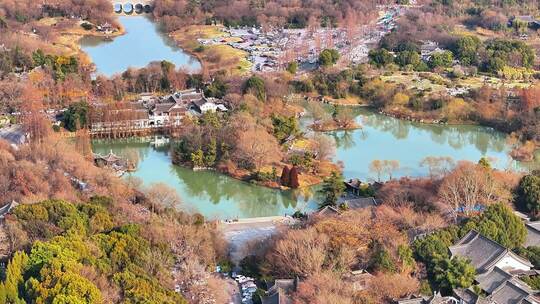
[163, 195]
[470, 186]
[301, 252]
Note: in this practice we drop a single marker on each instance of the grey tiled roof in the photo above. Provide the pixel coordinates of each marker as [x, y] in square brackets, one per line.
[271, 299]
[480, 250]
[278, 292]
[489, 281]
[163, 107]
[511, 292]
[361, 202]
[501, 287]
[483, 252]
[413, 301]
[467, 296]
[530, 300]
[199, 102]
[328, 210]
[533, 234]
[435, 299]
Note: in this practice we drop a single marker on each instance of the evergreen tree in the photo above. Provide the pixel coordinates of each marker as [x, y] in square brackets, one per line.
[9, 289]
[328, 57]
[76, 116]
[255, 85]
[332, 189]
[500, 224]
[529, 194]
[484, 162]
[292, 67]
[382, 261]
[453, 273]
[197, 158]
[211, 153]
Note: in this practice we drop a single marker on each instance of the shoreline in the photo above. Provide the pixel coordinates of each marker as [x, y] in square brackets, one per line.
[70, 39]
[529, 158]
[230, 59]
[305, 180]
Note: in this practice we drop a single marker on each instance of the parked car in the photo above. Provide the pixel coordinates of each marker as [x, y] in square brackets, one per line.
[249, 284]
[244, 280]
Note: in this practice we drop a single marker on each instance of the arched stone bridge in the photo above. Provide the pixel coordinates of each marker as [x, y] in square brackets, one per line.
[127, 7]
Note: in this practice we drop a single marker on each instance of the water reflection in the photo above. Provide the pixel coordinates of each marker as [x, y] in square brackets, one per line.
[384, 138]
[212, 194]
[142, 43]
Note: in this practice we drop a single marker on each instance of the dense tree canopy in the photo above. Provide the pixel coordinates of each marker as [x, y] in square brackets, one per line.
[529, 193]
[175, 14]
[255, 85]
[328, 57]
[453, 273]
[331, 190]
[499, 223]
[80, 247]
[76, 116]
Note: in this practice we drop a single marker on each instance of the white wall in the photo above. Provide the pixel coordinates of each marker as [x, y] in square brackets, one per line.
[509, 262]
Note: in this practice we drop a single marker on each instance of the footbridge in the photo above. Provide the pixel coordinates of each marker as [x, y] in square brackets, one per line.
[133, 7]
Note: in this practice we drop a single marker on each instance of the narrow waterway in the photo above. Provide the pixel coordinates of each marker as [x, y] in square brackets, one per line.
[142, 43]
[384, 138]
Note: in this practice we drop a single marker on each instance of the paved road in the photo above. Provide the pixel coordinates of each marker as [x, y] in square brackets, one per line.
[246, 231]
[13, 134]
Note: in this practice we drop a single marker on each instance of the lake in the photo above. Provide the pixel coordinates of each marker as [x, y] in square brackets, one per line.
[142, 43]
[385, 138]
[212, 194]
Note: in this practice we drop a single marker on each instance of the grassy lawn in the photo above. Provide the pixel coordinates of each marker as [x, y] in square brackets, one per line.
[433, 82]
[228, 54]
[193, 32]
[347, 101]
[216, 57]
[477, 82]
[301, 144]
[414, 82]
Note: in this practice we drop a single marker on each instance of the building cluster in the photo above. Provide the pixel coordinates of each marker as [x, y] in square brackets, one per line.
[498, 272]
[152, 112]
[273, 49]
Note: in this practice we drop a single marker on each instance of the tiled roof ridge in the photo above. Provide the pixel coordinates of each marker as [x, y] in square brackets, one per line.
[494, 259]
[512, 283]
[531, 225]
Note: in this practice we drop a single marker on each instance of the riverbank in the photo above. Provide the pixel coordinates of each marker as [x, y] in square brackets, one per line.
[212, 57]
[67, 33]
[523, 151]
[334, 126]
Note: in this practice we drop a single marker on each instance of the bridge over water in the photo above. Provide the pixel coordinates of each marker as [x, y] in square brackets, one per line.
[130, 7]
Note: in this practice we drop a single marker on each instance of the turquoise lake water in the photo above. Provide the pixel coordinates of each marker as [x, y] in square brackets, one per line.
[385, 138]
[142, 43]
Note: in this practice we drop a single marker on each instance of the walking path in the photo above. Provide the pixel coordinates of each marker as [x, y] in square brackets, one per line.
[243, 232]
